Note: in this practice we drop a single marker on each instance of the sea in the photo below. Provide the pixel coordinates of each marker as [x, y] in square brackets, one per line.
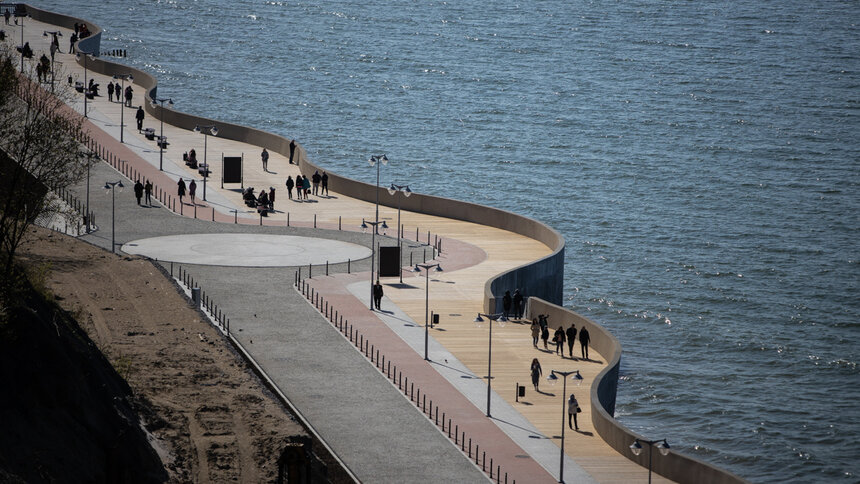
[702, 160]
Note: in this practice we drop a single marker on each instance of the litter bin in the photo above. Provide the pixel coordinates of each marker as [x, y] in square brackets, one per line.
[195, 296]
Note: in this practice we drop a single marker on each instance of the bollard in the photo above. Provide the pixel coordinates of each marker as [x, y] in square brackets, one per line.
[348, 264]
[456, 433]
[470, 444]
[425, 255]
[491, 468]
[315, 220]
[428, 237]
[326, 268]
[338, 222]
[416, 234]
[411, 392]
[410, 258]
[195, 211]
[213, 214]
[377, 357]
[443, 421]
[310, 269]
[424, 403]
[484, 461]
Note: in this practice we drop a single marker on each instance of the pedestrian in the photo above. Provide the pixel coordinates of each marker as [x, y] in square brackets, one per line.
[265, 157]
[559, 341]
[584, 339]
[571, 338]
[299, 187]
[139, 117]
[316, 178]
[292, 150]
[542, 321]
[110, 91]
[192, 191]
[272, 198]
[377, 295]
[535, 332]
[147, 190]
[306, 183]
[6, 16]
[544, 335]
[290, 185]
[537, 372]
[180, 191]
[54, 49]
[129, 92]
[325, 183]
[572, 410]
[138, 191]
[77, 28]
[72, 40]
[506, 304]
[518, 304]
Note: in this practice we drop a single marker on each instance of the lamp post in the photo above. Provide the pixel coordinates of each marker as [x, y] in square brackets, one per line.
[86, 56]
[662, 446]
[54, 34]
[404, 189]
[552, 378]
[364, 225]
[207, 131]
[377, 160]
[22, 17]
[129, 78]
[89, 155]
[501, 319]
[169, 102]
[113, 187]
[417, 270]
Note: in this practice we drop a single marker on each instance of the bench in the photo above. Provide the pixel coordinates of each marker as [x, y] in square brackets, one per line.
[162, 142]
[79, 86]
[203, 169]
[149, 133]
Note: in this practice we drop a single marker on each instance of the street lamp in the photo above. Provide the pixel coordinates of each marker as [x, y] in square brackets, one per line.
[377, 160]
[113, 187]
[89, 155]
[169, 102]
[417, 270]
[662, 446]
[501, 319]
[54, 34]
[552, 378]
[86, 56]
[22, 36]
[364, 225]
[129, 78]
[404, 189]
[206, 130]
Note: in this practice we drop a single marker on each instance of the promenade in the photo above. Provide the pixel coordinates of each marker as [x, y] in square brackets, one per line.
[380, 434]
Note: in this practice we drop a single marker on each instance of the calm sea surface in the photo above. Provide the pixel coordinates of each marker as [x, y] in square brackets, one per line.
[701, 159]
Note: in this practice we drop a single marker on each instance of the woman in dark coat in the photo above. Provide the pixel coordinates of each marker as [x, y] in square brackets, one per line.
[544, 335]
[537, 372]
[180, 189]
[506, 304]
[559, 341]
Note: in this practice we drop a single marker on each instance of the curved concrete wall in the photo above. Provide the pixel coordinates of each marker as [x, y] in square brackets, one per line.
[675, 466]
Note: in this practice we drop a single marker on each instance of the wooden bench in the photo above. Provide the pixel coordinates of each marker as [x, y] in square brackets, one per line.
[149, 133]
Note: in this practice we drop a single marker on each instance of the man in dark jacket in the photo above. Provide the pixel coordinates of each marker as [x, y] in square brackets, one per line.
[571, 338]
[584, 339]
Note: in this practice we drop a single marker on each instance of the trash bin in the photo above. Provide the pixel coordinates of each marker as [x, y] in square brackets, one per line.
[195, 296]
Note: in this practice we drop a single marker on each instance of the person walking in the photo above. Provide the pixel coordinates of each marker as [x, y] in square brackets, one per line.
[54, 48]
[139, 115]
[192, 191]
[299, 187]
[129, 92]
[535, 332]
[272, 198]
[292, 150]
[147, 190]
[571, 338]
[138, 191]
[518, 304]
[506, 304]
[377, 295]
[290, 185]
[316, 178]
[72, 40]
[558, 337]
[325, 183]
[265, 157]
[110, 91]
[572, 410]
[537, 372]
[306, 183]
[6, 16]
[180, 190]
[544, 335]
[584, 339]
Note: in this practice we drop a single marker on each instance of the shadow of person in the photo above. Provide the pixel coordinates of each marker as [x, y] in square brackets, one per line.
[526, 403]
[545, 393]
[585, 433]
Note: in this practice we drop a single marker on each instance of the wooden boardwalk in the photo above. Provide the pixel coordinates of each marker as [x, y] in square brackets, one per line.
[455, 294]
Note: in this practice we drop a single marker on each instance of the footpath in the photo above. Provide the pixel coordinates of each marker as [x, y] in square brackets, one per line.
[314, 334]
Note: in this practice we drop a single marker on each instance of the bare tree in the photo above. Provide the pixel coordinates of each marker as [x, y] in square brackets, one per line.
[39, 152]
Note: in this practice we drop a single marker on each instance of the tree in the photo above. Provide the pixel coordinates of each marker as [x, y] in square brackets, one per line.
[38, 153]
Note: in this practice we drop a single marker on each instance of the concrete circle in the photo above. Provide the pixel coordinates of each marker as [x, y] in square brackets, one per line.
[246, 250]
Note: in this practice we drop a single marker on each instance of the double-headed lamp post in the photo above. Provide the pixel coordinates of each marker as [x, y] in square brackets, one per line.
[54, 34]
[86, 56]
[417, 271]
[129, 78]
[169, 102]
[21, 18]
[377, 160]
[89, 155]
[364, 225]
[662, 446]
[501, 319]
[577, 380]
[404, 189]
[113, 187]
[207, 131]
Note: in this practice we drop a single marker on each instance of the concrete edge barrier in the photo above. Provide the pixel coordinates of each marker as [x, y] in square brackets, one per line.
[675, 466]
[90, 44]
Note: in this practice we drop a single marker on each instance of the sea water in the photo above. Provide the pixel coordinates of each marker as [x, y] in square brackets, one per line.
[700, 158]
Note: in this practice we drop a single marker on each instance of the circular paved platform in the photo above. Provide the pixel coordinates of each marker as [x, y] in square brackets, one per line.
[246, 250]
